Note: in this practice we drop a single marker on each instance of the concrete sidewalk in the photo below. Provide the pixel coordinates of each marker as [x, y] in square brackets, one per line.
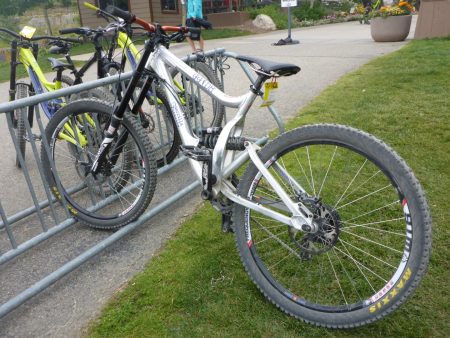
[325, 53]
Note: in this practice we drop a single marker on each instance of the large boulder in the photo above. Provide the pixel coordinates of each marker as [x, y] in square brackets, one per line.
[264, 22]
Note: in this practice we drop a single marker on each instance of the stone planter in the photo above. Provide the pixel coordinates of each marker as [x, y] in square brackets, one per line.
[391, 28]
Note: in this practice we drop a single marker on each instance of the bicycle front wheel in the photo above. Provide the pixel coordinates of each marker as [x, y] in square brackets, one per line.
[123, 189]
[373, 240]
[20, 115]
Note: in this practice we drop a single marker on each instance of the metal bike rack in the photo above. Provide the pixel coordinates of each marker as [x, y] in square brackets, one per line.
[47, 210]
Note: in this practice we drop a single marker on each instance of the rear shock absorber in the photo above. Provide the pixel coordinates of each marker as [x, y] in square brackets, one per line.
[209, 137]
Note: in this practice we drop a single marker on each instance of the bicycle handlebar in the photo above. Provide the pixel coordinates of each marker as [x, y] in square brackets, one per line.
[10, 32]
[130, 18]
[127, 16]
[35, 38]
[101, 12]
[89, 32]
[76, 30]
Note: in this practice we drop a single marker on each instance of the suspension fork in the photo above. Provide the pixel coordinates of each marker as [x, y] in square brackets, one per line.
[12, 78]
[31, 92]
[144, 94]
[118, 147]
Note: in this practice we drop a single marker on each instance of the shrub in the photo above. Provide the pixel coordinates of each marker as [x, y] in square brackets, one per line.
[278, 17]
[340, 6]
[304, 12]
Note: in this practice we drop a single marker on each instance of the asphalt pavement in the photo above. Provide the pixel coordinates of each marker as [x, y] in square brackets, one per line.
[324, 53]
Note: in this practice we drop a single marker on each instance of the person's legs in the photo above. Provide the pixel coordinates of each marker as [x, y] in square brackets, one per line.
[195, 36]
[191, 23]
[191, 43]
[201, 43]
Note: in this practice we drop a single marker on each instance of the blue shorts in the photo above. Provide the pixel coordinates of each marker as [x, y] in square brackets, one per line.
[193, 23]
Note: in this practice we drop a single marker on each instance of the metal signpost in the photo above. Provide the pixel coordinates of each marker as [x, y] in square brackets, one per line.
[288, 40]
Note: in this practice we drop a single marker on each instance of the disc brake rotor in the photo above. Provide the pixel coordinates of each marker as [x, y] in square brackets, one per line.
[311, 244]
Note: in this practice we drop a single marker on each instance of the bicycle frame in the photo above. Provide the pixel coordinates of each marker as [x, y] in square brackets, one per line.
[131, 52]
[157, 59]
[224, 161]
[39, 82]
[98, 57]
[133, 56]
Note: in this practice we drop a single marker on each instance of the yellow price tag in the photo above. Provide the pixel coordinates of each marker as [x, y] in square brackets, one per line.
[269, 93]
[27, 32]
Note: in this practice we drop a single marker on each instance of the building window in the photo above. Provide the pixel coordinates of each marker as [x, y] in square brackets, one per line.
[122, 4]
[170, 6]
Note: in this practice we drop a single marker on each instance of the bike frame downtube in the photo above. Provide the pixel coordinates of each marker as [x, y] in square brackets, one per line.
[80, 73]
[27, 58]
[159, 60]
[131, 52]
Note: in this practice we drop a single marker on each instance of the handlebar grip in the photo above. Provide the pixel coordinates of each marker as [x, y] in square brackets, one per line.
[127, 16]
[77, 30]
[72, 40]
[90, 6]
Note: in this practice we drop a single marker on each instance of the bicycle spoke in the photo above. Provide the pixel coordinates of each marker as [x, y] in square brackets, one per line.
[310, 171]
[337, 279]
[328, 170]
[350, 183]
[371, 241]
[363, 197]
[344, 243]
[361, 265]
[365, 226]
[372, 211]
[357, 265]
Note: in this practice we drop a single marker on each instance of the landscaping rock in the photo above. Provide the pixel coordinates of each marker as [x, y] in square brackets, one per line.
[264, 22]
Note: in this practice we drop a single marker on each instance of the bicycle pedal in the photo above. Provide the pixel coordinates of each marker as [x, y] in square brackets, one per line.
[33, 137]
[195, 153]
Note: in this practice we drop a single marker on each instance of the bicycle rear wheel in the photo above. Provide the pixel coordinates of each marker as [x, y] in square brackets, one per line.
[202, 110]
[374, 227]
[162, 130]
[123, 189]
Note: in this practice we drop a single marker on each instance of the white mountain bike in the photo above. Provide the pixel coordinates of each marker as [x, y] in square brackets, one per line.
[330, 223]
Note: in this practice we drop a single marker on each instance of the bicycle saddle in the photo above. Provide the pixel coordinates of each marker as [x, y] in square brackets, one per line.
[281, 69]
[58, 64]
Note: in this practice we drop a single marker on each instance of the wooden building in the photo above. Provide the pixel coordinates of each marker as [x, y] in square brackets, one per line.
[166, 12]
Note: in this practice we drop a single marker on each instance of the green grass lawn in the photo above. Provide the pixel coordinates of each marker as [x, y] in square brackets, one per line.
[197, 287]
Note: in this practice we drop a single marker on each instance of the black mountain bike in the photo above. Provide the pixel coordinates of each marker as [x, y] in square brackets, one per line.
[154, 111]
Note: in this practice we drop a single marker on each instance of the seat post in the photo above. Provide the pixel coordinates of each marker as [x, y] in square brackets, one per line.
[256, 87]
